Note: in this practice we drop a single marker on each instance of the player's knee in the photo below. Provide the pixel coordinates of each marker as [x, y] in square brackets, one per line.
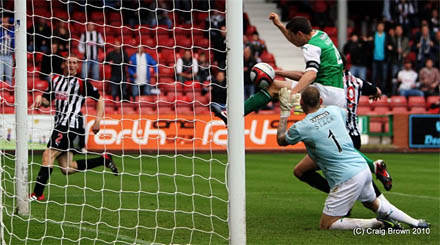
[298, 173]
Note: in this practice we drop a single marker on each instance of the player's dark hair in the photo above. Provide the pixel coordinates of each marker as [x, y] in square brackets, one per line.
[310, 97]
[299, 23]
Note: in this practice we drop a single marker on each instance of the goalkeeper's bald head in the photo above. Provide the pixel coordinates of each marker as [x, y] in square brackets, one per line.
[310, 99]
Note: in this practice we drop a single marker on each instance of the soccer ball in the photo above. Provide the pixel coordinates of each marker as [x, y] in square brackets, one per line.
[262, 75]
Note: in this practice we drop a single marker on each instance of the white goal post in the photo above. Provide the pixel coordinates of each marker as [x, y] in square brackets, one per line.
[17, 211]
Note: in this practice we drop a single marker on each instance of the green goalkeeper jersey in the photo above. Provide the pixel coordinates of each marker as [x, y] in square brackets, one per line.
[321, 55]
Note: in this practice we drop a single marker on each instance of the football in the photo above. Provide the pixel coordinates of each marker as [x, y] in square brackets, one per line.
[262, 75]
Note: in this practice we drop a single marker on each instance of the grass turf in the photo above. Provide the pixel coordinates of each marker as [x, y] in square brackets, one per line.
[183, 199]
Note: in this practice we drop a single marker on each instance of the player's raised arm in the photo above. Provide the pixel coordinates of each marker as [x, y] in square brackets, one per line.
[277, 22]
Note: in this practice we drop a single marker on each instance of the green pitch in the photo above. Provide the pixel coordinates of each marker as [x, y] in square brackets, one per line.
[184, 200]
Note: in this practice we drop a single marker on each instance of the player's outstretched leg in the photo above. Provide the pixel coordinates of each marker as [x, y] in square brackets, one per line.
[387, 209]
[257, 101]
[104, 160]
[49, 156]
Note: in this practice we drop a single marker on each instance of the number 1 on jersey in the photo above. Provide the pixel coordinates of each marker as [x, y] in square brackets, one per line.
[331, 135]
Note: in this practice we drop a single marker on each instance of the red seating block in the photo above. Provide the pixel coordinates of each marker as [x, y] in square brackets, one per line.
[416, 101]
[364, 101]
[382, 102]
[398, 101]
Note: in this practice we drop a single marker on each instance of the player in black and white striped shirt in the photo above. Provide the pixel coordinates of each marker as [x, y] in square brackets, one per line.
[69, 93]
[355, 87]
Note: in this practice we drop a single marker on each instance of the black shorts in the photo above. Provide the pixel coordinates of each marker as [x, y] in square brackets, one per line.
[62, 138]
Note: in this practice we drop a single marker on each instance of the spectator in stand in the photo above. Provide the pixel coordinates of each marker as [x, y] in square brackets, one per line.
[246, 41]
[436, 49]
[218, 92]
[219, 46]
[429, 78]
[39, 36]
[149, 14]
[7, 44]
[257, 45]
[356, 49]
[90, 43]
[399, 50]
[249, 62]
[424, 46]
[187, 67]
[405, 11]
[51, 63]
[380, 65]
[139, 71]
[118, 60]
[204, 68]
[407, 79]
[434, 21]
[61, 37]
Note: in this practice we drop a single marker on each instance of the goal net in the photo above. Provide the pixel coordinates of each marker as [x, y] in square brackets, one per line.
[159, 66]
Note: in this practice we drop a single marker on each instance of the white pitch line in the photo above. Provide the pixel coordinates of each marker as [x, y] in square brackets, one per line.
[411, 195]
[122, 237]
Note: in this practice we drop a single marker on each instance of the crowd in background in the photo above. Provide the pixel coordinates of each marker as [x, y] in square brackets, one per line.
[397, 48]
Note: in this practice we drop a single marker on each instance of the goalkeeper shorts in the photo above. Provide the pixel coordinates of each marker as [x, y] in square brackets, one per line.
[343, 196]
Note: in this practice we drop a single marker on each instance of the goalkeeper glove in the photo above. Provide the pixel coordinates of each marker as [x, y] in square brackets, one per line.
[287, 101]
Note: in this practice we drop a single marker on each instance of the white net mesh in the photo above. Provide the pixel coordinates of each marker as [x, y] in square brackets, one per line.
[157, 125]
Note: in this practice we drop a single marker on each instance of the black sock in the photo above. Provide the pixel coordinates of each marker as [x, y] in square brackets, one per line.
[84, 164]
[315, 180]
[378, 193]
[42, 178]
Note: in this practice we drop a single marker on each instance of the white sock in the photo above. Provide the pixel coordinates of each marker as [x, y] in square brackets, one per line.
[388, 209]
[349, 224]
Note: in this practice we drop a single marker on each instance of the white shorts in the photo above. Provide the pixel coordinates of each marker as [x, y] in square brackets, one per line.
[342, 197]
[329, 95]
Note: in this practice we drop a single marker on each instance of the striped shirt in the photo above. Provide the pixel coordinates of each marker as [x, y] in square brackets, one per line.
[69, 95]
[355, 87]
[6, 41]
[89, 44]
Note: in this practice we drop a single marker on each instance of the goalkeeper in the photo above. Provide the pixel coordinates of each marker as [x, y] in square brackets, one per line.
[69, 93]
[330, 146]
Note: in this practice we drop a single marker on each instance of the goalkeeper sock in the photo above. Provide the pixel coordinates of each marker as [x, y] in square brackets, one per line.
[369, 162]
[84, 164]
[257, 101]
[350, 224]
[315, 180]
[42, 178]
[386, 209]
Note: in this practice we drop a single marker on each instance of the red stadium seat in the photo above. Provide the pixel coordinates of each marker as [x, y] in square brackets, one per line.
[432, 99]
[418, 110]
[382, 102]
[399, 110]
[416, 101]
[381, 110]
[200, 110]
[364, 101]
[363, 110]
[183, 110]
[398, 101]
